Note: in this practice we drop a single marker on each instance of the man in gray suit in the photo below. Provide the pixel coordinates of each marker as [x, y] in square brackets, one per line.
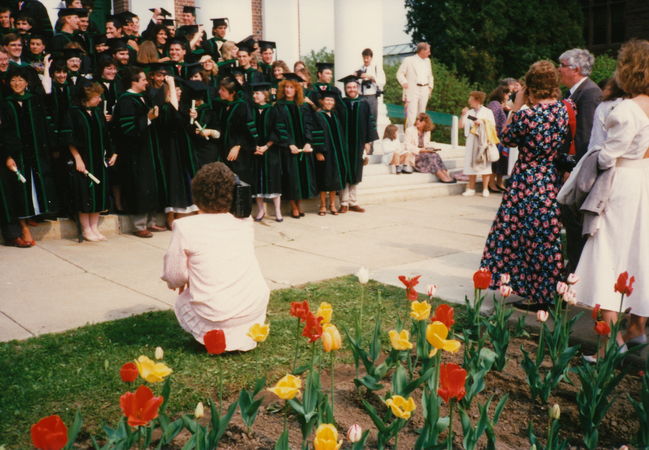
[575, 66]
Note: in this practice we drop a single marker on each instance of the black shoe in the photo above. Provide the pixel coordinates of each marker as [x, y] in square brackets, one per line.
[453, 180]
[281, 219]
[259, 219]
[527, 305]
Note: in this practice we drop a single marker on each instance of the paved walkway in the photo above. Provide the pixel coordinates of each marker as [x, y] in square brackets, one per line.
[61, 284]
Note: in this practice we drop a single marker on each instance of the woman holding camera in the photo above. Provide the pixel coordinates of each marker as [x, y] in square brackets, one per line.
[211, 261]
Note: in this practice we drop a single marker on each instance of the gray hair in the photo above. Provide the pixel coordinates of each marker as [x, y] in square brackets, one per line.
[579, 58]
[422, 46]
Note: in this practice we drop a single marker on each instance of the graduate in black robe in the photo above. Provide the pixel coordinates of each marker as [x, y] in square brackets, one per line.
[91, 148]
[213, 45]
[267, 51]
[267, 157]
[38, 12]
[325, 84]
[69, 19]
[25, 136]
[174, 132]
[205, 125]
[330, 146]
[238, 133]
[143, 183]
[294, 125]
[106, 75]
[360, 129]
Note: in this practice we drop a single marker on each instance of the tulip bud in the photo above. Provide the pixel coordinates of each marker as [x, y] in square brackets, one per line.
[363, 275]
[199, 411]
[572, 279]
[354, 433]
[555, 412]
[505, 290]
[430, 290]
[561, 288]
[159, 353]
[570, 297]
[542, 315]
[505, 278]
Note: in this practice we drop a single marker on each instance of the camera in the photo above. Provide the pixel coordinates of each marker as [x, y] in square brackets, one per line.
[241, 199]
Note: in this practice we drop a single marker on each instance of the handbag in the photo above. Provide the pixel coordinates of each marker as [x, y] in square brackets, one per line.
[241, 199]
[493, 154]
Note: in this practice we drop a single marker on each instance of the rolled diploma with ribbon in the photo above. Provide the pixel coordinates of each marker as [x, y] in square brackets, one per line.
[92, 177]
[20, 176]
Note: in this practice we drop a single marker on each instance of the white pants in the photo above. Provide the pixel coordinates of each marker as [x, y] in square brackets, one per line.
[417, 99]
[348, 195]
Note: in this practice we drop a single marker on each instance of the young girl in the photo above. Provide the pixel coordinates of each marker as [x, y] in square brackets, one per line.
[393, 153]
[89, 142]
[266, 157]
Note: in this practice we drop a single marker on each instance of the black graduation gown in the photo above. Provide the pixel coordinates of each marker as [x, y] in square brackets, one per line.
[60, 40]
[314, 95]
[294, 125]
[211, 47]
[238, 128]
[91, 139]
[268, 167]
[38, 12]
[112, 91]
[25, 136]
[206, 150]
[59, 102]
[332, 172]
[360, 128]
[179, 159]
[140, 162]
[266, 71]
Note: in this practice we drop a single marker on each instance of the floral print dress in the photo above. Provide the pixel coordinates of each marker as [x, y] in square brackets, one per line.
[524, 240]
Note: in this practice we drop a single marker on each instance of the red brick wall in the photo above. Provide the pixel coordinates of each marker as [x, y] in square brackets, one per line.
[257, 24]
[120, 5]
[179, 9]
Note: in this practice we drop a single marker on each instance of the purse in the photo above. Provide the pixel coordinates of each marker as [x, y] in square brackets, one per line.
[493, 154]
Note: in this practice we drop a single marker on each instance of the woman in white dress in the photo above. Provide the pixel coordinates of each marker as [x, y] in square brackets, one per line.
[621, 243]
[475, 114]
[211, 261]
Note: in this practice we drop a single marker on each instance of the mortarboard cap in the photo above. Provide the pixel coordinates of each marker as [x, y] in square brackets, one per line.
[263, 45]
[116, 20]
[158, 67]
[324, 66]
[219, 22]
[260, 86]
[328, 93]
[349, 79]
[190, 9]
[116, 44]
[126, 16]
[163, 12]
[169, 22]
[69, 53]
[189, 29]
[247, 45]
[293, 77]
[64, 12]
[192, 89]
[193, 68]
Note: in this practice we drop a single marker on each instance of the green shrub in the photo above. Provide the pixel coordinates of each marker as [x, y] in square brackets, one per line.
[603, 68]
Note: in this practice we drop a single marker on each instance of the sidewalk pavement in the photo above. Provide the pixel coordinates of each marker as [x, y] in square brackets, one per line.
[61, 284]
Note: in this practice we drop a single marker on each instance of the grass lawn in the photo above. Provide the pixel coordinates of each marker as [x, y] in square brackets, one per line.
[79, 369]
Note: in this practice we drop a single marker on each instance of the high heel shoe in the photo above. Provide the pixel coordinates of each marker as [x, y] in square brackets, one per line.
[333, 211]
[259, 219]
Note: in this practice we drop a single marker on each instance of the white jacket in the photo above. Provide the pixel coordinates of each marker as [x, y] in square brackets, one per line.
[407, 73]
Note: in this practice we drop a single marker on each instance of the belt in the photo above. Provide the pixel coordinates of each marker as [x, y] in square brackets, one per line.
[422, 84]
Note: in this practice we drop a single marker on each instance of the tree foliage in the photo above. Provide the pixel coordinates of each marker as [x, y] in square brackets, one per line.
[322, 55]
[485, 41]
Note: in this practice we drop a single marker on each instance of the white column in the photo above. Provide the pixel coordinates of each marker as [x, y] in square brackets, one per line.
[281, 25]
[358, 24]
[238, 11]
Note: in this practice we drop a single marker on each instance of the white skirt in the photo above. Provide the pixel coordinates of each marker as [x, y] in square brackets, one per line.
[620, 245]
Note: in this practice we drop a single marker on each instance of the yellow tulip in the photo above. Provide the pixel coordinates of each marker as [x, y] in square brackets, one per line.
[287, 388]
[151, 371]
[325, 311]
[259, 332]
[326, 438]
[331, 339]
[420, 310]
[436, 334]
[159, 353]
[199, 411]
[401, 407]
[400, 340]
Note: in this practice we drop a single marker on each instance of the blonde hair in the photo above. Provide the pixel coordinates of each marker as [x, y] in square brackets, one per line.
[227, 50]
[632, 72]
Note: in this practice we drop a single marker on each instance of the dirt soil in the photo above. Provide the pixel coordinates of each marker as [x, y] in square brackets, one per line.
[617, 428]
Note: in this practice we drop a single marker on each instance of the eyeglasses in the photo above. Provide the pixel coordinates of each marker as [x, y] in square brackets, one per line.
[566, 66]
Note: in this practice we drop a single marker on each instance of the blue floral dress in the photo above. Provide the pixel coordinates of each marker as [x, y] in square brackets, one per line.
[524, 240]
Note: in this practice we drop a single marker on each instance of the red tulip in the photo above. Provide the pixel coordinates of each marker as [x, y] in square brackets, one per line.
[602, 328]
[595, 313]
[409, 282]
[482, 279]
[214, 341]
[451, 382]
[312, 328]
[411, 294]
[49, 433]
[128, 372]
[141, 407]
[444, 314]
[622, 287]
[300, 310]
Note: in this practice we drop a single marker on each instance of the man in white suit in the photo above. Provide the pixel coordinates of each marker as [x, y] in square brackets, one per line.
[416, 78]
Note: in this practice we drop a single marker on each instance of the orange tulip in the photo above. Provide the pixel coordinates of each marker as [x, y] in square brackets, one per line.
[141, 407]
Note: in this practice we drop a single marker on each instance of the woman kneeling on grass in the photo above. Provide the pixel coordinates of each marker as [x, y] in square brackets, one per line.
[211, 261]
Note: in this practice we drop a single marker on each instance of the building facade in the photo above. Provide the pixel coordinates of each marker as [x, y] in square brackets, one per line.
[609, 23]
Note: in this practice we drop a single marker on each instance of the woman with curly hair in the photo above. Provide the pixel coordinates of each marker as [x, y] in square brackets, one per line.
[621, 243]
[211, 261]
[524, 241]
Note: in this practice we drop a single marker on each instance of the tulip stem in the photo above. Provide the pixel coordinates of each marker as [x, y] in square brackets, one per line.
[449, 438]
[219, 381]
[332, 383]
[297, 344]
